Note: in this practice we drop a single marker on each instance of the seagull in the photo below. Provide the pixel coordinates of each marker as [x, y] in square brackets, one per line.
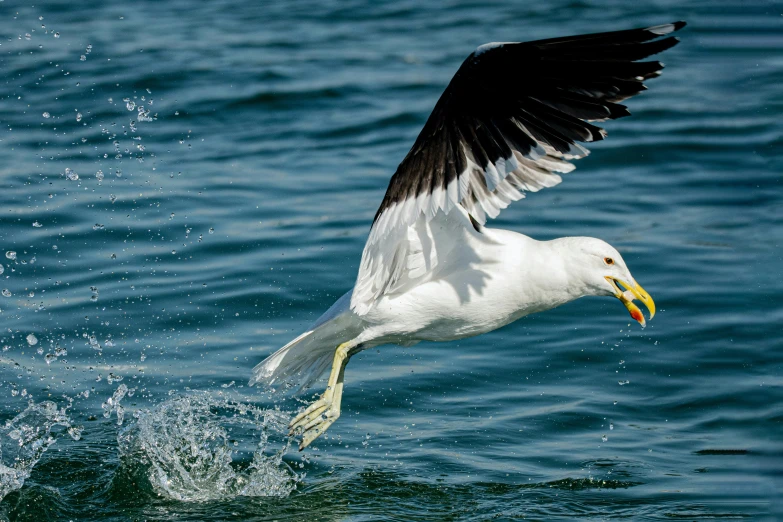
[509, 122]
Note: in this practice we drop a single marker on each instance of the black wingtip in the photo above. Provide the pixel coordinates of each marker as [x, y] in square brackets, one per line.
[679, 25]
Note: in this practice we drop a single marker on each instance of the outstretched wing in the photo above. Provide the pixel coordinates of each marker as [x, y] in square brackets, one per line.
[508, 123]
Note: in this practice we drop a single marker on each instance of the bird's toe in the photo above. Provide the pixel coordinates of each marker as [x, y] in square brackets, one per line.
[317, 427]
[306, 416]
[330, 415]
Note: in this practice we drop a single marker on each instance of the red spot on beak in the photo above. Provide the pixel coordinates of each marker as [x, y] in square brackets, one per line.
[637, 315]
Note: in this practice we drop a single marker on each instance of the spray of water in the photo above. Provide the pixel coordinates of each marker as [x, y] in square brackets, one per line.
[206, 446]
[25, 438]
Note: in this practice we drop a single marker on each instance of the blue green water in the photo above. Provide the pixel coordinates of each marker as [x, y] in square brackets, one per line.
[244, 149]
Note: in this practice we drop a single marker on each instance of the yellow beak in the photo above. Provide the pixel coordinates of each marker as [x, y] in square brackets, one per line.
[632, 292]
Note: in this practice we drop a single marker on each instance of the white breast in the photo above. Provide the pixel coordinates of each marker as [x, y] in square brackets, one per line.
[487, 286]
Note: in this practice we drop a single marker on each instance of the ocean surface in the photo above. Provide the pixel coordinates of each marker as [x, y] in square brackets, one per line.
[185, 186]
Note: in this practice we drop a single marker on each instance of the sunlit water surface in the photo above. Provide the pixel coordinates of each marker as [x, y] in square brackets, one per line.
[184, 186]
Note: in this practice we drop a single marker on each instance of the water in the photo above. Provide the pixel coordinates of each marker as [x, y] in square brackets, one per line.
[186, 185]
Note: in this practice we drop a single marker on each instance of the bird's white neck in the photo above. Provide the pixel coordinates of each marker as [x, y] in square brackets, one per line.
[569, 252]
[548, 275]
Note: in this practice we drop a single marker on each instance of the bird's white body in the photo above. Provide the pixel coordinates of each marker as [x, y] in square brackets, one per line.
[498, 279]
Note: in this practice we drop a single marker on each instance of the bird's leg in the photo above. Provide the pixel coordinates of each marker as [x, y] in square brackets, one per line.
[321, 414]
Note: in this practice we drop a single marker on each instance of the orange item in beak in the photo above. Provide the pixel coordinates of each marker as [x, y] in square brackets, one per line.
[635, 312]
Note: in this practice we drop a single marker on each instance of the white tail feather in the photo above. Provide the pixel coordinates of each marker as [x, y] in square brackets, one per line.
[302, 361]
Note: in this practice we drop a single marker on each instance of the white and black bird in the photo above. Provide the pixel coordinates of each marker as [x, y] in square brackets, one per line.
[508, 123]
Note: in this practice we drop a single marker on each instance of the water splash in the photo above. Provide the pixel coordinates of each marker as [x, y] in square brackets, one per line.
[202, 447]
[25, 438]
[113, 404]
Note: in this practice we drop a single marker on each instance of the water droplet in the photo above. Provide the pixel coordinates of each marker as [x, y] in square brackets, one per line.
[173, 251]
[46, 115]
[129, 104]
[56, 35]
[27, 36]
[99, 175]
[211, 230]
[36, 224]
[604, 438]
[623, 383]
[611, 426]
[75, 432]
[2, 269]
[112, 404]
[79, 117]
[6, 292]
[114, 256]
[97, 226]
[32, 340]
[143, 114]
[10, 255]
[112, 197]
[83, 58]
[71, 175]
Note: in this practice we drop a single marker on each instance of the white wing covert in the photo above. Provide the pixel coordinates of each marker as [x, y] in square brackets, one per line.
[508, 123]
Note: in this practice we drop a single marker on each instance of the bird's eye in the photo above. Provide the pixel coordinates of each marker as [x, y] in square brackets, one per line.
[608, 260]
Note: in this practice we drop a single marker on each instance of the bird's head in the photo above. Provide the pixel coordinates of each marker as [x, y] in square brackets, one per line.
[602, 270]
